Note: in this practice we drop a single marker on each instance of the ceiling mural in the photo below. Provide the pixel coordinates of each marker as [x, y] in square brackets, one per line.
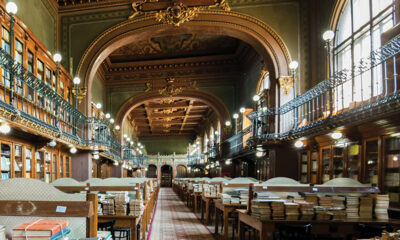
[178, 46]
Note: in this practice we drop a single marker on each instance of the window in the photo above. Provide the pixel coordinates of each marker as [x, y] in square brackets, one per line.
[48, 83]
[358, 33]
[5, 44]
[30, 69]
[19, 58]
[61, 91]
[265, 83]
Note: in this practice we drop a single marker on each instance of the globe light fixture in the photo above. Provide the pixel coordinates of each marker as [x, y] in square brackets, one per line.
[108, 115]
[328, 35]
[293, 65]
[52, 143]
[11, 8]
[337, 135]
[98, 105]
[242, 110]
[77, 80]
[73, 150]
[259, 154]
[228, 161]
[298, 144]
[235, 116]
[112, 120]
[5, 128]
[96, 156]
[57, 57]
[256, 98]
[227, 123]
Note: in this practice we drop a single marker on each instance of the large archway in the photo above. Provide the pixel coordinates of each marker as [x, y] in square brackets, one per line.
[166, 176]
[251, 30]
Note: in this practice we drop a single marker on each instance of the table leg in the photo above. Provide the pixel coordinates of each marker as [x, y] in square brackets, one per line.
[133, 229]
[195, 204]
[267, 229]
[202, 210]
[216, 221]
[207, 211]
[241, 230]
[226, 215]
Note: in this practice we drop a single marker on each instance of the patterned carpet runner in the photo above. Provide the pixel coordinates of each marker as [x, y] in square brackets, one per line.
[173, 220]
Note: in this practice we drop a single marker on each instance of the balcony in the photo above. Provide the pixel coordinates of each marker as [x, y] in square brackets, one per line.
[367, 92]
[236, 144]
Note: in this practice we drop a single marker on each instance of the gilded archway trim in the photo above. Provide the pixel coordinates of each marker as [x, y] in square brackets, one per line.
[249, 29]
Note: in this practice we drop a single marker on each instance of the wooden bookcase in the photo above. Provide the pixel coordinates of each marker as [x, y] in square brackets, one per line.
[391, 169]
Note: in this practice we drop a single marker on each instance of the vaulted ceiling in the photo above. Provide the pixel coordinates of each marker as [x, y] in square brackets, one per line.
[178, 117]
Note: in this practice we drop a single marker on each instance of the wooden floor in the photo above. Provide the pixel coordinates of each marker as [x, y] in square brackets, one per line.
[174, 220]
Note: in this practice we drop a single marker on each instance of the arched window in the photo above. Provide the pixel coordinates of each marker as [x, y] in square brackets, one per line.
[357, 34]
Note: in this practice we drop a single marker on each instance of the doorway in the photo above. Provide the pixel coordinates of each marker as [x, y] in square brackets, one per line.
[166, 176]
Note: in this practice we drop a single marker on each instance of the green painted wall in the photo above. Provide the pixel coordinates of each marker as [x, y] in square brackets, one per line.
[248, 86]
[166, 146]
[99, 92]
[38, 18]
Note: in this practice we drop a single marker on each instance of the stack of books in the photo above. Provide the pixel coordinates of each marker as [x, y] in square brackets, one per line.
[322, 213]
[352, 207]
[261, 209]
[381, 206]
[325, 202]
[312, 197]
[135, 208]
[292, 211]
[211, 190]
[366, 205]
[41, 229]
[2, 232]
[338, 213]
[244, 196]
[338, 202]
[226, 199]
[306, 209]
[278, 209]
[121, 199]
[197, 187]
[108, 206]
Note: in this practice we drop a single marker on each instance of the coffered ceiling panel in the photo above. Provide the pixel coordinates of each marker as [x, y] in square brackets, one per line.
[181, 117]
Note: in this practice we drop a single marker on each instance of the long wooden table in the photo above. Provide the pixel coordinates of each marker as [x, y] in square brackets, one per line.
[205, 206]
[226, 209]
[196, 195]
[123, 221]
[344, 227]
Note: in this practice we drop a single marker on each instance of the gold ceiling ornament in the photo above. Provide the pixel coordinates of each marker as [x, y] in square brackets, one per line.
[170, 90]
[149, 86]
[168, 119]
[167, 131]
[166, 111]
[167, 125]
[286, 83]
[167, 101]
[175, 12]
[81, 93]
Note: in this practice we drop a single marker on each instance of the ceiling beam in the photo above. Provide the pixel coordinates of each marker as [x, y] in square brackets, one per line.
[148, 114]
[186, 114]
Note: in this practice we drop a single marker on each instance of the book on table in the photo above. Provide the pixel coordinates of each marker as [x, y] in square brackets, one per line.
[42, 228]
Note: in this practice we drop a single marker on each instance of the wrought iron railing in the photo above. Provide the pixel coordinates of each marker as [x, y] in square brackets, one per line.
[236, 143]
[367, 90]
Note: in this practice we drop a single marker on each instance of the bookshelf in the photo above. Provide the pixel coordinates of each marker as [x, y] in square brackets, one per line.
[353, 161]
[40, 165]
[303, 176]
[391, 176]
[337, 161]
[47, 167]
[326, 163]
[54, 167]
[18, 161]
[28, 163]
[5, 163]
[371, 161]
[314, 166]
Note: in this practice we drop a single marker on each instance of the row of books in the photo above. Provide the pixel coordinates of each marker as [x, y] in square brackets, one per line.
[41, 229]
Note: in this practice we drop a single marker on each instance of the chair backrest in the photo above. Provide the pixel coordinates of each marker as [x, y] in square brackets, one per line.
[106, 226]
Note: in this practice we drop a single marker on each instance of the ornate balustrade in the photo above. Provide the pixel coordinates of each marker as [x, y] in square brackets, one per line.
[367, 91]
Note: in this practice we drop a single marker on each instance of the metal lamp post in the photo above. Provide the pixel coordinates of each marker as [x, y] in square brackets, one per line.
[57, 58]
[293, 67]
[328, 37]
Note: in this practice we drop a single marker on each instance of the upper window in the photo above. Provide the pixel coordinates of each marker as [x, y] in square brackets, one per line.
[358, 33]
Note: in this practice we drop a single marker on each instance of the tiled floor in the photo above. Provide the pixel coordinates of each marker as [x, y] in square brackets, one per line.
[173, 220]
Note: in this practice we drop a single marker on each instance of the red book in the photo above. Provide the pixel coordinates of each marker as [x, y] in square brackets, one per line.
[40, 228]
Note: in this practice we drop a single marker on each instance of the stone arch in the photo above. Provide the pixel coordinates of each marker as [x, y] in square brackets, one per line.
[215, 103]
[256, 33]
[152, 171]
[181, 171]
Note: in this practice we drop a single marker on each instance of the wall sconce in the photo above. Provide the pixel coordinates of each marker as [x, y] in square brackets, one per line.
[286, 83]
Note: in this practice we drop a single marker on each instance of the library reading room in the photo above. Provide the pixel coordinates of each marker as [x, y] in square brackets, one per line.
[199, 120]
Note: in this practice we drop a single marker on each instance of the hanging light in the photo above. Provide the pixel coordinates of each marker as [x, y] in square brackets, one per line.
[125, 135]
[242, 110]
[298, 144]
[337, 135]
[235, 116]
[52, 143]
[227, 123]
[96, 156]
[73, 150]
[112, 120]
[117, 127]
[98, 105]
[116, 163]
[108, 115]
